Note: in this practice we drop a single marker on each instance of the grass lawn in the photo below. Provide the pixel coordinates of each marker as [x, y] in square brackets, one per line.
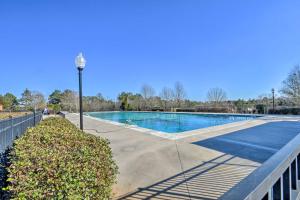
[4, 115]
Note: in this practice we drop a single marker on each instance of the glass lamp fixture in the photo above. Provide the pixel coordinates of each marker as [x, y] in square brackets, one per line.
[80, 61]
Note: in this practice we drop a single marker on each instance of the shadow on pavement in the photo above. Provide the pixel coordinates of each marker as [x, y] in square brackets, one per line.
[208, 181]
[211, 179]
[257, 143]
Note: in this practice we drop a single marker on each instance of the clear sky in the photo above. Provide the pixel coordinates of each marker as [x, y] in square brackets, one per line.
[245, 47]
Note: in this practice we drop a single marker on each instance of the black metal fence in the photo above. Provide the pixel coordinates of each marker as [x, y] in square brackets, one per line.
[12, 128]
[277, 179]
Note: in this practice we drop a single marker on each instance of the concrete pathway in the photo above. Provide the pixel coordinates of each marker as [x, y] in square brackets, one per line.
[202, 166]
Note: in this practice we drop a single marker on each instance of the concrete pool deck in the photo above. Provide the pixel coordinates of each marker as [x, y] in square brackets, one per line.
[202, 166]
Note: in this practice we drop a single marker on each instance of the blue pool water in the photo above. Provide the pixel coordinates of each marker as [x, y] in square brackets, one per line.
[169, 122]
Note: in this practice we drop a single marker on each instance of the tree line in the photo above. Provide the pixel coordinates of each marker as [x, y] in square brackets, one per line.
[30, 100]
[147, 99]
[168, 99]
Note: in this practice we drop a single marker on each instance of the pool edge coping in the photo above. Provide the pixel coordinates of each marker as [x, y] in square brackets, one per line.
[185, 134]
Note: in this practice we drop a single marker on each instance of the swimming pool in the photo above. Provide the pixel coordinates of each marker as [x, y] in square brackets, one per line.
[170, 122]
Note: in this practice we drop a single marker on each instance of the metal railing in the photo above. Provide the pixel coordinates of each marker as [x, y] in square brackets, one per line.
[277, 179]
[12, 128]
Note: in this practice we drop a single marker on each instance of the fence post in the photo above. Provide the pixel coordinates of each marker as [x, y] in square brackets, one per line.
[12, 128]
[34, 117]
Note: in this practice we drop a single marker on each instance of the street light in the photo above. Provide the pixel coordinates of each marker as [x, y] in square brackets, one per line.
[80, 64]
[273, 95]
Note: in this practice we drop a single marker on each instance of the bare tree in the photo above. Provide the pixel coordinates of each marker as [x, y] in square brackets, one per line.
[167, 95]
[264, 101]
[37, 100]
[291, 85]
[33, 100]
[69, 100]
[179, 94]
[148, 93]
[216, 95]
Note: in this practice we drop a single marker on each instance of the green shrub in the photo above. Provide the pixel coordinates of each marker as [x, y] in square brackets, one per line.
[4, 163]
[55, 160]
[54, 108]
[261, 108]
[212, 109]
[285, 111]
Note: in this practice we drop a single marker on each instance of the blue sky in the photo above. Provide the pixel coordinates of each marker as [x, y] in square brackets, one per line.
[244, 47]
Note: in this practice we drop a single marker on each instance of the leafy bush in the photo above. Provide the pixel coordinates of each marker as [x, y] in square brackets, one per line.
[285, 111]
[54, 108]
[261, 108]
[184, 110]
[56, 160]
[4, 163]
[213, 109]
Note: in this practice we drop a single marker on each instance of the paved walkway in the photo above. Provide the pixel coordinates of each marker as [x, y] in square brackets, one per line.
[202, 166]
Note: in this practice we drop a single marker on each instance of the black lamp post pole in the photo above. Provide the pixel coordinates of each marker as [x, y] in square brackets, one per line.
[273, 91]
[80, 97]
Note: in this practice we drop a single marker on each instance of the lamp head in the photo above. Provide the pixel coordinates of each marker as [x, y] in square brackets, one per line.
[80, 61]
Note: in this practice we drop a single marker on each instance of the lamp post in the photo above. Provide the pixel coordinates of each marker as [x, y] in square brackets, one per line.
[80, 64]
[273, 97]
